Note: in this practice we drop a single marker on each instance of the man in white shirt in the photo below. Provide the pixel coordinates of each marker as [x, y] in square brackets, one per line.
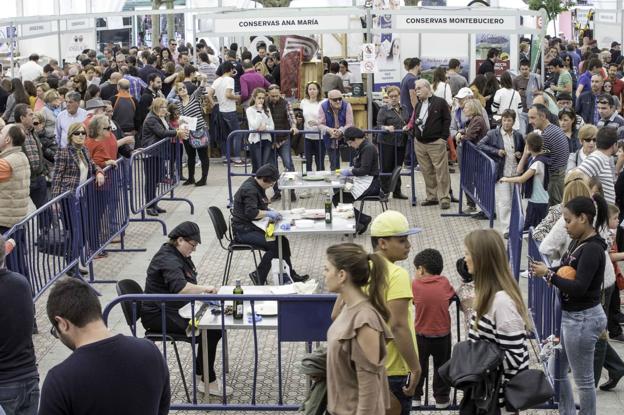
[31, 70]
[224, 91]
[600, 163]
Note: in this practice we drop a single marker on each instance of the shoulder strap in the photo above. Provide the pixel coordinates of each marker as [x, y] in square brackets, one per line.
[512, 97]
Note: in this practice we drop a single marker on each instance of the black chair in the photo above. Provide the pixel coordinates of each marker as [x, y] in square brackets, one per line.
[382, 197]
[132, 287]
[226, 240]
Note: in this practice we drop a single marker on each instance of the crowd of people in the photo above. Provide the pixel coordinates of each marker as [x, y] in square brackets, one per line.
[562, 139]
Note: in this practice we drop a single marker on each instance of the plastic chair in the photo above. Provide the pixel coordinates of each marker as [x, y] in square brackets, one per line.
[132, 287]
[382, 197]
[226, 240]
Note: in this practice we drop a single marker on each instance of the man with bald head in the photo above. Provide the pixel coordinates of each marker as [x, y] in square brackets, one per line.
[430, 124]
[335, 115]
[587, 102]
[108, 91]
[124, 108]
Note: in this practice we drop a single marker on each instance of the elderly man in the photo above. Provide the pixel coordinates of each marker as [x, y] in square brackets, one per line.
[73, 113]
[587, 102]
[14, 177]
[430, 123]
[335, 115]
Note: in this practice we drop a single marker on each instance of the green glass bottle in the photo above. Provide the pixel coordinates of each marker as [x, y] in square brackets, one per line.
[238, 304]
[328, 210]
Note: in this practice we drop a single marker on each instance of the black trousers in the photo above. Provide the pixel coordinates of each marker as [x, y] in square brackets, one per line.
[177, 325]
[256, 238]
[192, 153]
[154, 173]
[440, 349]
[390, 160]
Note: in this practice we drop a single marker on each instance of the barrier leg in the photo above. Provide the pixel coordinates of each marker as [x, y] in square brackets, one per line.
[123, 246]
[172, 198]
[144, 219]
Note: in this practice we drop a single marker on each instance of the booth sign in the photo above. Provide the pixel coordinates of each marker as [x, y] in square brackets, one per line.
[276, 25]
[455, 22]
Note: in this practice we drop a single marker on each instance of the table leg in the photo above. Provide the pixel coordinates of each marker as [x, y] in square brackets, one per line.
[224, 344]
[285, 195]
[281, 260]
[340, 195]
[204, 340]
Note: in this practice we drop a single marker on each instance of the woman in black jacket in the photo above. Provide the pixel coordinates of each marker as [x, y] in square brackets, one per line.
[172, 271]
[392, 117]
[155, 129]
[365, 172]
[580, 278]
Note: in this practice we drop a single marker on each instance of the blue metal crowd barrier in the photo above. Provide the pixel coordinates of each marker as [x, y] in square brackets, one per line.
[545, 308]
[516, 225]
[478, 180]
[303, 318]
[154, 173]
[46, 243]
[104, 215]
[308, 158]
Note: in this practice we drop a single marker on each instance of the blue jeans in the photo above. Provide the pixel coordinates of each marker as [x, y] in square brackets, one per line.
[260, 154]
[396, 387]
[579, 332]
[284, 153]
[230, 123]
[20, 398]
[314, 149]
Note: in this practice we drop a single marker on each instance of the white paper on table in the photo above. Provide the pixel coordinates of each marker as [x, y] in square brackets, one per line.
[283, 289]
[304, 223]
[262, 223]
[188, 122]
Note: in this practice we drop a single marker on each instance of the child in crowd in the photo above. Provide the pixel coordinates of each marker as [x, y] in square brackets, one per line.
[595, 186]
[535, 180]
[432, 295]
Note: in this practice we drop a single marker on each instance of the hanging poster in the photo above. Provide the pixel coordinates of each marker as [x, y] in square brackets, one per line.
[486, 41]
[387, 47]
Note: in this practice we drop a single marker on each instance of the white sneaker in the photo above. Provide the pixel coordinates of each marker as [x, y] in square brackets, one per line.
[443, 405]
[214, 389]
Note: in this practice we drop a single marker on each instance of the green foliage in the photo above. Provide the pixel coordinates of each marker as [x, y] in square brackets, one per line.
[553, 7]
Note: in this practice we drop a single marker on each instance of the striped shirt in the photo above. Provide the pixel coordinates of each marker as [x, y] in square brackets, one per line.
[556, 142]
[599, 165]
[193, 108]
[615, 121]
[503, 325]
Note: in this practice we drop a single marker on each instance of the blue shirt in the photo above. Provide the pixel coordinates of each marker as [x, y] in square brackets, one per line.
[408, 83]
[585, 80]
[137, 85]
[63, 121]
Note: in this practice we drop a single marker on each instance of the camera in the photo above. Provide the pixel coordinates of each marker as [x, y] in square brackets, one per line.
[418, 122]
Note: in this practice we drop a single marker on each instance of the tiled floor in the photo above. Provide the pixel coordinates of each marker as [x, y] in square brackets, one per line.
[445, 234]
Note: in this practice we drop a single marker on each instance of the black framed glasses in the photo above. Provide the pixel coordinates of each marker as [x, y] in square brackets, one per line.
[77, 133]
[54, 332]
[268, 180]
[192, 243]
[336, 99]
[589, 140]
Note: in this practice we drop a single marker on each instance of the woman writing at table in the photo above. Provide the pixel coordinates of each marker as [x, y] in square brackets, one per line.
[172, 271]
[250, 204]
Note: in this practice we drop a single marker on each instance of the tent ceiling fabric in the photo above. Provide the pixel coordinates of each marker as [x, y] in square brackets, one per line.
[66, 7]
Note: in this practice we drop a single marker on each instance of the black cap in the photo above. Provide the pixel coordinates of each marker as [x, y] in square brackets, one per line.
[614, 44]
[269, 171]
[351, 133]
[186, 230]
[564, 96]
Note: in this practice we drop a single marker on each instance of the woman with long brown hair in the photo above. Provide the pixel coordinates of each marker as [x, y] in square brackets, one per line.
[500, 314]
[356, 373]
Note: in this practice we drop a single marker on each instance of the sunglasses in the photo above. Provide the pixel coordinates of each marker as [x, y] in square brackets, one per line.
[54, 332]
[604, 102]
[77, 133]
[589, 140]
[336, 99]
[36, 123]
[192, 243]
[107, 128]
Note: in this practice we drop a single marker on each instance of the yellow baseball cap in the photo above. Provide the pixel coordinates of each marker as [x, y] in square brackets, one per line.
[392, 223]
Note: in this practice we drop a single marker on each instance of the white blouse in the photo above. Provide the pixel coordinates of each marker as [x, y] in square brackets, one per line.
[310, 115]
[257, 119]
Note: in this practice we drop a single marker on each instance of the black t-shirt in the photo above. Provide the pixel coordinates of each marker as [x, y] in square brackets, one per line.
[588, 259]
[120, 375]
[168, 273]
[17, 354]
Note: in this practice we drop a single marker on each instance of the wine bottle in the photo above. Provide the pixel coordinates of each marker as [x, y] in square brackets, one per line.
[328, 210]
[238, 304]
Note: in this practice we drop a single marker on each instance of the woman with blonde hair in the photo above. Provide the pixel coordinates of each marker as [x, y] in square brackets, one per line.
[356, 375]
[587, 137]
[500, 315]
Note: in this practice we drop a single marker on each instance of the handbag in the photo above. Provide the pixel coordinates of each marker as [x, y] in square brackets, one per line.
[199, 138]
[527, 389]
[54, 241]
